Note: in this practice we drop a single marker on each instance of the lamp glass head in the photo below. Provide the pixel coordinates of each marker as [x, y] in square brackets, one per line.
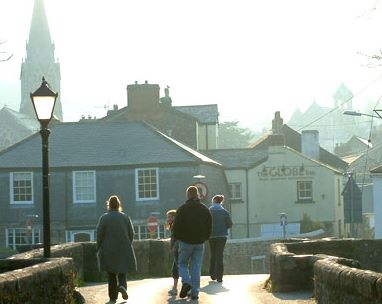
[44, 100]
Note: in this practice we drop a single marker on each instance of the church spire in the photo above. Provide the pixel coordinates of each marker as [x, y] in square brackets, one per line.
[39, 62]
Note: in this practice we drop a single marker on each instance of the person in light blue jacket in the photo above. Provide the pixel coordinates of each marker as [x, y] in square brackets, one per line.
[221, 222]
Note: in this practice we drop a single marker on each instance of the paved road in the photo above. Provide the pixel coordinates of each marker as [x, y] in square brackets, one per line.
[236, 289]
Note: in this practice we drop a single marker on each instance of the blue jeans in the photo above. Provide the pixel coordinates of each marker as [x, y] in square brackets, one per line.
[190, 257]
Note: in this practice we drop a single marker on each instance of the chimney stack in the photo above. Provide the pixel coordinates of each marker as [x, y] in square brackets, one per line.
[143, 97]
[310, 144]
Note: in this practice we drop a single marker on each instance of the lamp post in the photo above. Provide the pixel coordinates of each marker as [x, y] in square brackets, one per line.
[44, 100]
[354, 113]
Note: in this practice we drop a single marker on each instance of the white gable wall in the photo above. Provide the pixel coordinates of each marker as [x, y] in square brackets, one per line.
[272, 189]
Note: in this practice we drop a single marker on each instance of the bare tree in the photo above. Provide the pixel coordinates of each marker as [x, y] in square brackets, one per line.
[4, 56]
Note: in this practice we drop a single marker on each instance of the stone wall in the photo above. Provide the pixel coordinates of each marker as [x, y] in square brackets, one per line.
[238, 255]
[292, 272]
[155, 259]
[68, 250]
[292, 263]
[336, 283]
[37, 281]
[367, 252]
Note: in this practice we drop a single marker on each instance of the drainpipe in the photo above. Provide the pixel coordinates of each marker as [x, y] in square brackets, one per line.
[247, 198]
[206, 136]
[67, 236]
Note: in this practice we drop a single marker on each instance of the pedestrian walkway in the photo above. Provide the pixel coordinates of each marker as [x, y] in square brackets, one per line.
[235, 289]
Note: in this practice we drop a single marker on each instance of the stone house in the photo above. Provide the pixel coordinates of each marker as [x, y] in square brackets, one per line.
[265, 183]
[89, 162]
[284, 172]
[196, 126]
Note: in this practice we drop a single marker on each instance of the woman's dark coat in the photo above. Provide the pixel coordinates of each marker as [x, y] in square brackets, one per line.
[115, 234]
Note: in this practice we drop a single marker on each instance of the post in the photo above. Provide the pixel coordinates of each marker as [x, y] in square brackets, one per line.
[45, 188]
[351, 205]
[284, 223]
[44, 100]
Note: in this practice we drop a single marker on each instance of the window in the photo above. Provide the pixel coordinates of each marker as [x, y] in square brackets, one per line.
[142, 232]
[22, 236]
[84, 186]
[21, 187]
[235, 191]
[304, 191]
[146, 184]
[80, 235]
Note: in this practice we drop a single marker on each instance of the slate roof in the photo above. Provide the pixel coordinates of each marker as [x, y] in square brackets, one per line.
[207, 114]
[376, 170]
[237, 158]
[101, 144]
[19, 119]
[293, 140]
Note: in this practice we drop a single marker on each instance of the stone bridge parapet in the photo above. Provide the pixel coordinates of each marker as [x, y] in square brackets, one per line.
[339, 270]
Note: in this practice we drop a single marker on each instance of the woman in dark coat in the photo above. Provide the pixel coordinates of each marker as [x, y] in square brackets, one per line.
[115, 234]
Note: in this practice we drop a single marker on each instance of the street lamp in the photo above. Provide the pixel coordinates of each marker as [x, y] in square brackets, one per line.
[44, 100]
[354, 113]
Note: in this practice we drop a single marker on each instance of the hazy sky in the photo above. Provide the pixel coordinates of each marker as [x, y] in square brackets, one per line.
[251, 57]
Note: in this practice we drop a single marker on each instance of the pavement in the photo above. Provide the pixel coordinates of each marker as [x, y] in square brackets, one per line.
[235, 289]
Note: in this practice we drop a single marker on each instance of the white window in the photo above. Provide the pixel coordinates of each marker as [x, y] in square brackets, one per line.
[304, 191]
[21, 187]
[235, 191]
[84, 186]
[22, 236]
[80, 235]
[142, 232]
[146, 184]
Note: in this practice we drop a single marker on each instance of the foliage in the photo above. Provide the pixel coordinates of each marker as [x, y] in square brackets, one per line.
[6, 252]
[308, 225]
[79, 282]
[233, 136]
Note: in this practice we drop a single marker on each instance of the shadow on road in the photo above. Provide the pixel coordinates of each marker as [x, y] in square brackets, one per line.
[213, 288]
[303, 295]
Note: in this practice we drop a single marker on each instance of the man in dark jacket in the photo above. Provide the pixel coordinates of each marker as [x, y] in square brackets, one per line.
[192, 227]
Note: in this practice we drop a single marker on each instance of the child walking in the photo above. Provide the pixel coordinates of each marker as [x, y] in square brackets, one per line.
[174, 249]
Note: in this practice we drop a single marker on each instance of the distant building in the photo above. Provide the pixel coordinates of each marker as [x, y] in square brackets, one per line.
[195, 126]
[15, 126]
[39, 62]
[333, 126]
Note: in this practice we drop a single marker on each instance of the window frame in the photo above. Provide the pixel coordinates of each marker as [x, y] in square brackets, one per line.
[304, 199]
[235, 198]
[70, 235]
[35, 233]
[137, 184]
[11, 189]
[74, 187]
